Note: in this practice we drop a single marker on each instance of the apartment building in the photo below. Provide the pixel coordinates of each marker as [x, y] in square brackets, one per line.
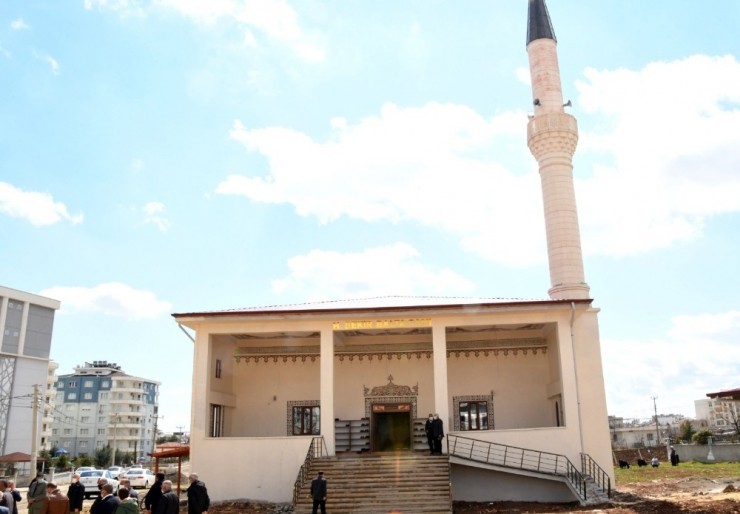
[99, 404]
[26, 324]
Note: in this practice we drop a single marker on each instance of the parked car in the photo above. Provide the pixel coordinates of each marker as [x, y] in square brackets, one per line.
[90, 480]
[84, 468]
[116, 471]
[140, 477]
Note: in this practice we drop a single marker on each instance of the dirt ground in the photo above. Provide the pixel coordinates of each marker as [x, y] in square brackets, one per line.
[686, 495]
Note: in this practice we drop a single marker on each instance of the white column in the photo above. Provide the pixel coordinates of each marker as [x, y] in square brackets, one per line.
[439, 358]
[24, 326]
[327, 388]
[3, 317]
[200, 406]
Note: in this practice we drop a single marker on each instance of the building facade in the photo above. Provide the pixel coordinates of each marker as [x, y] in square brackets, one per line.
[49, 406]
[721, 410]
[99, 405]
[26, 325]
[364, 374]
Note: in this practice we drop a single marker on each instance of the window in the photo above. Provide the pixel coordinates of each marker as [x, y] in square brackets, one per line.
[87, 396]
[105, 383]
[474, 415]
[218, 368]
[306, 420]
[87, 383]
[67, 431]
[84, 431]
[72, 383]
[103, 396]
[85, 419]
[473, 412]
[54, 431]
[83, 444]
[101, 419]
[101, 431]
[217, 420]
[72, 396]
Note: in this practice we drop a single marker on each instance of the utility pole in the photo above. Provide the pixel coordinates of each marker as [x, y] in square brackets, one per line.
[154, 437]
[34, 428]
[657, 431]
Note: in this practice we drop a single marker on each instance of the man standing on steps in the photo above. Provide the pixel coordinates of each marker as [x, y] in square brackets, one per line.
[318, 493]
[428, 430]
[438, 434]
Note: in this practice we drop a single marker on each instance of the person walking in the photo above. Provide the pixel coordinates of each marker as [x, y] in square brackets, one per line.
[56, 501]
[36, 494]
[198, 500]
[155, 493]
[76, 494]
[7, 502]
[16, 495]
[169, 503]
[128, 505]
[438, 434]
[428, 430]
[318, 493]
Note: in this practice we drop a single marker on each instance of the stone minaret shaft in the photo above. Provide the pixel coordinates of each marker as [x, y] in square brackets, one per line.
[552, 136]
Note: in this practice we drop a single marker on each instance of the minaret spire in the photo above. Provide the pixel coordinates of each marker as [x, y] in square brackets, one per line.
[552, 136]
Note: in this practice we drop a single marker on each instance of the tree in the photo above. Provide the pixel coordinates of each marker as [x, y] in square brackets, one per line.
[168, 439]
[686, 431]
[102, 456]
[702, 437]
[731, 413]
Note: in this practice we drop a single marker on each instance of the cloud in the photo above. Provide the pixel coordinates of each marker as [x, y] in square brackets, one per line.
[669, 132]
[439, 165]
[153, 214]
[276, 20]
[698, 355]
[19, 24]
[38, 208]
[645, 185]
[53, 64]
[112, 299]
[387, 270]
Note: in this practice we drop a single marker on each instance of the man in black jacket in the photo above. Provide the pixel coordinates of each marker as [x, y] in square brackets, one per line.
[155, 493]
[318, 493]
[169, 503]
[76, 494]
[198, 500]
[428, 430]
[438, 432]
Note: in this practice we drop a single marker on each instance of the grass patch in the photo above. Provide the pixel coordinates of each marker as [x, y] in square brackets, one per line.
[683, 470]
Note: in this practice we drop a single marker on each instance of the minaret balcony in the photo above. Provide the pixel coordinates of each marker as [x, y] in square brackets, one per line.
[552, 132]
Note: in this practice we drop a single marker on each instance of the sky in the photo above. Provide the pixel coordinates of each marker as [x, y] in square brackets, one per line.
[164, 156]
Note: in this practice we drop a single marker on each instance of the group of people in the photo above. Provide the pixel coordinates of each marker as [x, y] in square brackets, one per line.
[46, 498]
[434, 430]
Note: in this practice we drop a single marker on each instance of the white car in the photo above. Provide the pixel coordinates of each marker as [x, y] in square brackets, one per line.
[90, 480]
[116, 471]
[140, 477]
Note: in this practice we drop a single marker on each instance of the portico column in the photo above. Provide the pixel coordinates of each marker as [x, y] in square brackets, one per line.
[439, 359]
[327, 388]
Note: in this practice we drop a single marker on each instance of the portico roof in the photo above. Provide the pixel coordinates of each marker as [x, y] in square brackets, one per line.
[381, 304]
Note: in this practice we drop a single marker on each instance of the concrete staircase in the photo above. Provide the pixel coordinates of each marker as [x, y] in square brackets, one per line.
[402, 483]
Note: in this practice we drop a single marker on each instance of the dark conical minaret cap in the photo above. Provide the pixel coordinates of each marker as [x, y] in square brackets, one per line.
[539, 26]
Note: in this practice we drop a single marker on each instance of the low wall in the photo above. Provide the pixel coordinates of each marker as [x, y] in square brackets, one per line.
[700, 452]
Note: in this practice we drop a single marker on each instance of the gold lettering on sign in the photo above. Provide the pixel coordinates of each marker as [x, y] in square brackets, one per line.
[381, 323]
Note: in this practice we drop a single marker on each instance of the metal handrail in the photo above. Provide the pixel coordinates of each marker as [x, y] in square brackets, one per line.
[315, 451]
[518, 458]
[590, 468]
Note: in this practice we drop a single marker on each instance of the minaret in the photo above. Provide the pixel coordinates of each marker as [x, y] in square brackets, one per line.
[552, 136]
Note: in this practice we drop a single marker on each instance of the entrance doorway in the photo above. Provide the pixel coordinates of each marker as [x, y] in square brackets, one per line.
[391, 427]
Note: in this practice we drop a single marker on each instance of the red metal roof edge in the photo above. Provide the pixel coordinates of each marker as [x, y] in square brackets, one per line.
[393, 308]
[735, 393]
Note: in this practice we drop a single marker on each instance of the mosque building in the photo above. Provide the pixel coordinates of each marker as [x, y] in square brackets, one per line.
[518, 384]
